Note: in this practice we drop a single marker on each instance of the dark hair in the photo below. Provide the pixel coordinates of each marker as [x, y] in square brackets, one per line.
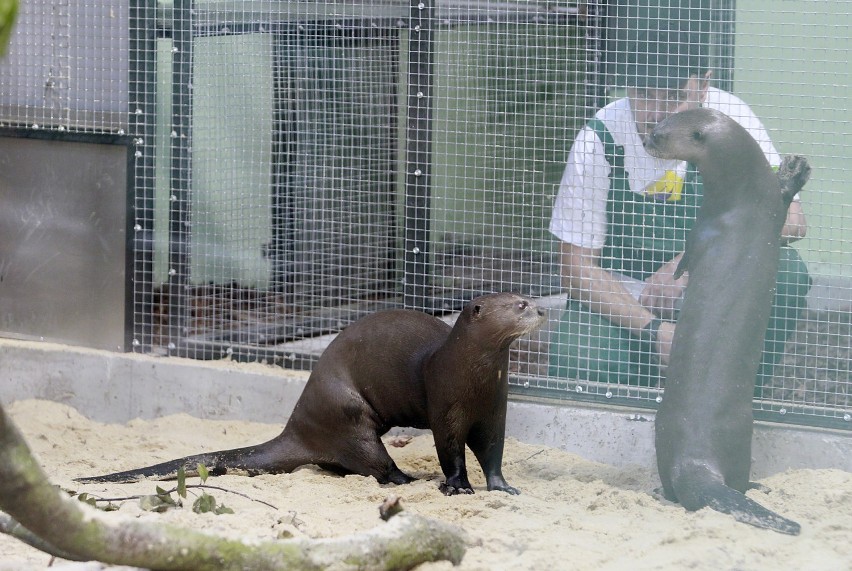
[665, 59]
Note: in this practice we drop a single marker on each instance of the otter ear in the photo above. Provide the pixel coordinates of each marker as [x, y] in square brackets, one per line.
[477, 309]
[698, 135]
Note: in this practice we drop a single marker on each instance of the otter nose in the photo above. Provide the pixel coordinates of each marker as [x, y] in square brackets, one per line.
[652, 140]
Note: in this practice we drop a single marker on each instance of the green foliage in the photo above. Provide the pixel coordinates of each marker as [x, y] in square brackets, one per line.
[93, 501]
[8, 12]
[206, 503]
[181, 482]
[159, 502]
[163, 500]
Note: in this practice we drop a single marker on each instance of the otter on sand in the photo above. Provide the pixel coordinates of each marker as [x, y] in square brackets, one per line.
[704, 423]
[393, 368]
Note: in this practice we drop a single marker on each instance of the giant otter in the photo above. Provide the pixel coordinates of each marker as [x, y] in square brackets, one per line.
[393, 368]
[704, 423]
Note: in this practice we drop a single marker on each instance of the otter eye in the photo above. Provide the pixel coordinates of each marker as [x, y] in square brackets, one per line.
[523, 305]
[477, 309]
[697, 135]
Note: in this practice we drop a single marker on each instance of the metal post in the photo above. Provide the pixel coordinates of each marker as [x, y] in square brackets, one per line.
[722, 32]
[283, 150]
[594, 19]
[181, 170]
[142, 122]
[418, 163]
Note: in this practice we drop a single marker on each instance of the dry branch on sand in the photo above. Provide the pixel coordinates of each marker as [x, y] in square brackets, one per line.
[72, 530]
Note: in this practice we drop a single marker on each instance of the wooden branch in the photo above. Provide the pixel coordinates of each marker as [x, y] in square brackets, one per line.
[71, 527]
[11, 527]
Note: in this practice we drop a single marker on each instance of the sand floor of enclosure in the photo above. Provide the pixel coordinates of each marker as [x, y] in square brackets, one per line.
[572, 514]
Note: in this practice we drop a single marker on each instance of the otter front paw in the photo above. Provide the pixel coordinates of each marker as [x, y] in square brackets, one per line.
[454, 489]
[793, 173]
[496, 482]
[512, 491]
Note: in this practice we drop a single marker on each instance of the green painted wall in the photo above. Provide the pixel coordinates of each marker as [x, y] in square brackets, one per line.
[506, 108]
[232, 140]
[231, 159]
[792, 66]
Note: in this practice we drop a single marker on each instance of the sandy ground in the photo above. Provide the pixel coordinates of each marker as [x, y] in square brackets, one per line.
[572, 514]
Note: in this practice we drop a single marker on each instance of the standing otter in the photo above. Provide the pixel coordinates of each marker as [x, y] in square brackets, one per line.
[704, 423]
[393, 368]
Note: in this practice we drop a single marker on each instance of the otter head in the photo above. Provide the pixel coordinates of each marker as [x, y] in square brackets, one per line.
[501, 318]
[690, 135]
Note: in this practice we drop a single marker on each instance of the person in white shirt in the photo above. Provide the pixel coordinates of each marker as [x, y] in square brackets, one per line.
[622, 217]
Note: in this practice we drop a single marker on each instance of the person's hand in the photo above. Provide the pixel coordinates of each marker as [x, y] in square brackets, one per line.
[662, 293]
[665, 335]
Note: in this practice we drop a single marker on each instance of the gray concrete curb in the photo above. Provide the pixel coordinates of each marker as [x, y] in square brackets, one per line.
[117, 387]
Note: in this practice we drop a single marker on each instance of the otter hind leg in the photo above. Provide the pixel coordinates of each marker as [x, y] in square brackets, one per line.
[698, 487]
[369, 457]
[745, 510]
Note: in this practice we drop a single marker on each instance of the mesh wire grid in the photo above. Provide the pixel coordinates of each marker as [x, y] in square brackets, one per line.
[301, 164]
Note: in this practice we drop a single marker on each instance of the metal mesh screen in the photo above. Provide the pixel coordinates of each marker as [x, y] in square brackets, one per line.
[622, 217]
[60, 70]
[301, 164]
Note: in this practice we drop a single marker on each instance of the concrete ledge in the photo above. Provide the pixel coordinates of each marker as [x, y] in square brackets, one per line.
[622, 436]
[115, 387]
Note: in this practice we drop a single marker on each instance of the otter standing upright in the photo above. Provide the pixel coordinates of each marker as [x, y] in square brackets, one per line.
[393, 368]
[704, 423]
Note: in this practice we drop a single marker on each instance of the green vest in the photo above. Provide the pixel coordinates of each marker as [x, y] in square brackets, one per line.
[644, 232]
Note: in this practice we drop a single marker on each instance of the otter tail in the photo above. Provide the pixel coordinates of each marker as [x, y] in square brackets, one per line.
[705, 489]
[271, 457]
[744, 509]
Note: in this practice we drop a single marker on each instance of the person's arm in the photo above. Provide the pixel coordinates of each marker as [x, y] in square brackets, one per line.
[796, 226]
[603, 294]
[663, 293]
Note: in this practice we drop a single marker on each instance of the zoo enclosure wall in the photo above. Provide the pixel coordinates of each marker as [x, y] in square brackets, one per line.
[297, 165]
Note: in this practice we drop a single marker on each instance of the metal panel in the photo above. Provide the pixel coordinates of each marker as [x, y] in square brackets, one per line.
[63, 236]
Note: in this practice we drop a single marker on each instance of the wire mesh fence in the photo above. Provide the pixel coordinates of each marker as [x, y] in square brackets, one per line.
[297, 165]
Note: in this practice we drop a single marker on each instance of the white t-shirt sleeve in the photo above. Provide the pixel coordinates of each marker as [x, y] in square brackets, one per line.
[739, 111]
[579, 211]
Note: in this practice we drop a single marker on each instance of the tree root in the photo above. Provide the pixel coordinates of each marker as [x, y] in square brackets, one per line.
[72, 530]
